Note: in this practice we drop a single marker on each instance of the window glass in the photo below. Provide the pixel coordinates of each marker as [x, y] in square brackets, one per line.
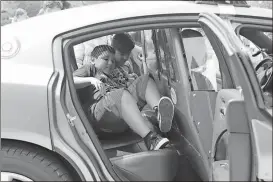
[255, 41]
[165, 50]
[136, 36]
[202, 62]
[156, 41]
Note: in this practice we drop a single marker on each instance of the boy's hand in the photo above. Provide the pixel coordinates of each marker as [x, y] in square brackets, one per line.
[133, 76]
[96, 82]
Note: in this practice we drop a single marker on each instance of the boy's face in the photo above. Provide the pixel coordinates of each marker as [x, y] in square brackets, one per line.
[121, 58]
[105, 62]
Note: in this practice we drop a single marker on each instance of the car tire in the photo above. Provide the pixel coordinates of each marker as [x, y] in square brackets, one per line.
[32, 162]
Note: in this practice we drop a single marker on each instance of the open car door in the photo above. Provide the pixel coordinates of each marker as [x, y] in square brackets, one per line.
[241, 117]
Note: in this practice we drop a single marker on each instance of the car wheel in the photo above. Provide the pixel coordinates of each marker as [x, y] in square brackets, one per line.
[26, 162]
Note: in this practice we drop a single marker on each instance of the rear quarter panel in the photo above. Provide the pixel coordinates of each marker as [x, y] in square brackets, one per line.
[24, 80]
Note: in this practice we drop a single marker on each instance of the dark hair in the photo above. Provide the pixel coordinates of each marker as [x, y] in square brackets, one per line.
[99, 50]
[123, 42]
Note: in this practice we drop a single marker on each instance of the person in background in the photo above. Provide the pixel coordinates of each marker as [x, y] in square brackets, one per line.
[19, 15]
[51, 6]
[5, 18]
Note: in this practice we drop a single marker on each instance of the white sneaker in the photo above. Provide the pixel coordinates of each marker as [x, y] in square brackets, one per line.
[165, 114]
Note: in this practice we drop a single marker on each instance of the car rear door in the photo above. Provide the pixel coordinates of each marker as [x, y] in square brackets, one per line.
[238, 108]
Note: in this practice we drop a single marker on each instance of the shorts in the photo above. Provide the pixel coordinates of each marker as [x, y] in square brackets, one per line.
[106, 112]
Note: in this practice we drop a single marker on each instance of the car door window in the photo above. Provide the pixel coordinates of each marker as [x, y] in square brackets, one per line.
[159, 52]
[166, 53]
[136, 36]
[254, 41]
[202, 62]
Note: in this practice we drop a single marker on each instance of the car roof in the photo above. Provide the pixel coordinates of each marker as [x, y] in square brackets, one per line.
[58, 22]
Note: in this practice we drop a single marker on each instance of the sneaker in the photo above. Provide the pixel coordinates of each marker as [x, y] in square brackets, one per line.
[165, 114]
[156, 142]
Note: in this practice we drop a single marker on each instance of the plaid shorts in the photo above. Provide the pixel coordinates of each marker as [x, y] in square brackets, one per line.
[107, 111]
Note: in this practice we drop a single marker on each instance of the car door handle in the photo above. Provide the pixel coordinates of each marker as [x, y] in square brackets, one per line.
[223, 111]
[140, 57]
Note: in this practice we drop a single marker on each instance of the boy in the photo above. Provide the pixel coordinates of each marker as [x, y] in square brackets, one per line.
[117, 99]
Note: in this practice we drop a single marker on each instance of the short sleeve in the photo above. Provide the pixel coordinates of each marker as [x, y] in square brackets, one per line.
[85, 71]
[128, 66]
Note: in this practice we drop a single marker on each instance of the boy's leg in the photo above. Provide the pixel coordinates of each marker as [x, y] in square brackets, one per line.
[152, 94]
[116, 106]
[123, 105]
[145, 89]
[132, 116]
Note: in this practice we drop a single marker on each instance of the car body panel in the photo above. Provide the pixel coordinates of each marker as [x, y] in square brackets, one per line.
[24, 111]
[74, 18]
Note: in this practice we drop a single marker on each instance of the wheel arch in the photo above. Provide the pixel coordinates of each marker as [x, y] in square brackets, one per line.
[72, 167]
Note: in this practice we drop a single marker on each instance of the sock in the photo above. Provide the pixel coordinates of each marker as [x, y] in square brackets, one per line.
[149, 135]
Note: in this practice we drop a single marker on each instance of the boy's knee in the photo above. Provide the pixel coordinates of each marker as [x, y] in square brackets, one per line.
[125, 95]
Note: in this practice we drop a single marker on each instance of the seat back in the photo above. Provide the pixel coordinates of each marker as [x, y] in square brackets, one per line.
[196, 53]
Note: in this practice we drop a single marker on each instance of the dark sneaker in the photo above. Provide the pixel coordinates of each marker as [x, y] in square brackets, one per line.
[165, 114]
[156, 142]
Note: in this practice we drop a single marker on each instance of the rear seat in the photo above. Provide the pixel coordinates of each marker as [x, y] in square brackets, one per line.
[128, 152]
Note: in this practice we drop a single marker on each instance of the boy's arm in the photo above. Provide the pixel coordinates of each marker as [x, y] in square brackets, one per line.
[83, 76]
[127, 67]
[82, 82]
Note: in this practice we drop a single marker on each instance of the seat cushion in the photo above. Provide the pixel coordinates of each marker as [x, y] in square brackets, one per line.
[157, 165]
[121, 144]
[126, 150]
[115, 140]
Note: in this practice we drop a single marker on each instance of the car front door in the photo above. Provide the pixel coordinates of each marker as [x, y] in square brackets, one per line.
[238, 108]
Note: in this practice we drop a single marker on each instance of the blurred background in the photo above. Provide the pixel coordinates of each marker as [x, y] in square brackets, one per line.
[13, 11]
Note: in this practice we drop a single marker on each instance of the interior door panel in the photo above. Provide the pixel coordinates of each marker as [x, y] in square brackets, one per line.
[239, 142]
[230, 117]
[220, 123]
[263, 145]
[202, 105]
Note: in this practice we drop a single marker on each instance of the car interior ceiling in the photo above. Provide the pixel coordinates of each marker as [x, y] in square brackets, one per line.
[128, 152]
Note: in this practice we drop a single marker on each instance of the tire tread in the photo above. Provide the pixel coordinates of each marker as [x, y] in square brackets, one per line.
[43, 159]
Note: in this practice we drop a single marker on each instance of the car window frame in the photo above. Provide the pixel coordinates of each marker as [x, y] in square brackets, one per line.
[106, 28]
[227, 81]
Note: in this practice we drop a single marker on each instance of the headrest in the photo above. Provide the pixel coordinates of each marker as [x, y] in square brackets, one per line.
[195, 47]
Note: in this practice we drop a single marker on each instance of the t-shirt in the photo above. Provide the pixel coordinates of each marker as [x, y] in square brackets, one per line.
[117, 78]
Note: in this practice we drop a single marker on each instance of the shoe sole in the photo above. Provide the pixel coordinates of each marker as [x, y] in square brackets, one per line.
[162, 143]
[165, 112]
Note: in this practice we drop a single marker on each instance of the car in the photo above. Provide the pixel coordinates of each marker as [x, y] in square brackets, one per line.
[222, 129]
